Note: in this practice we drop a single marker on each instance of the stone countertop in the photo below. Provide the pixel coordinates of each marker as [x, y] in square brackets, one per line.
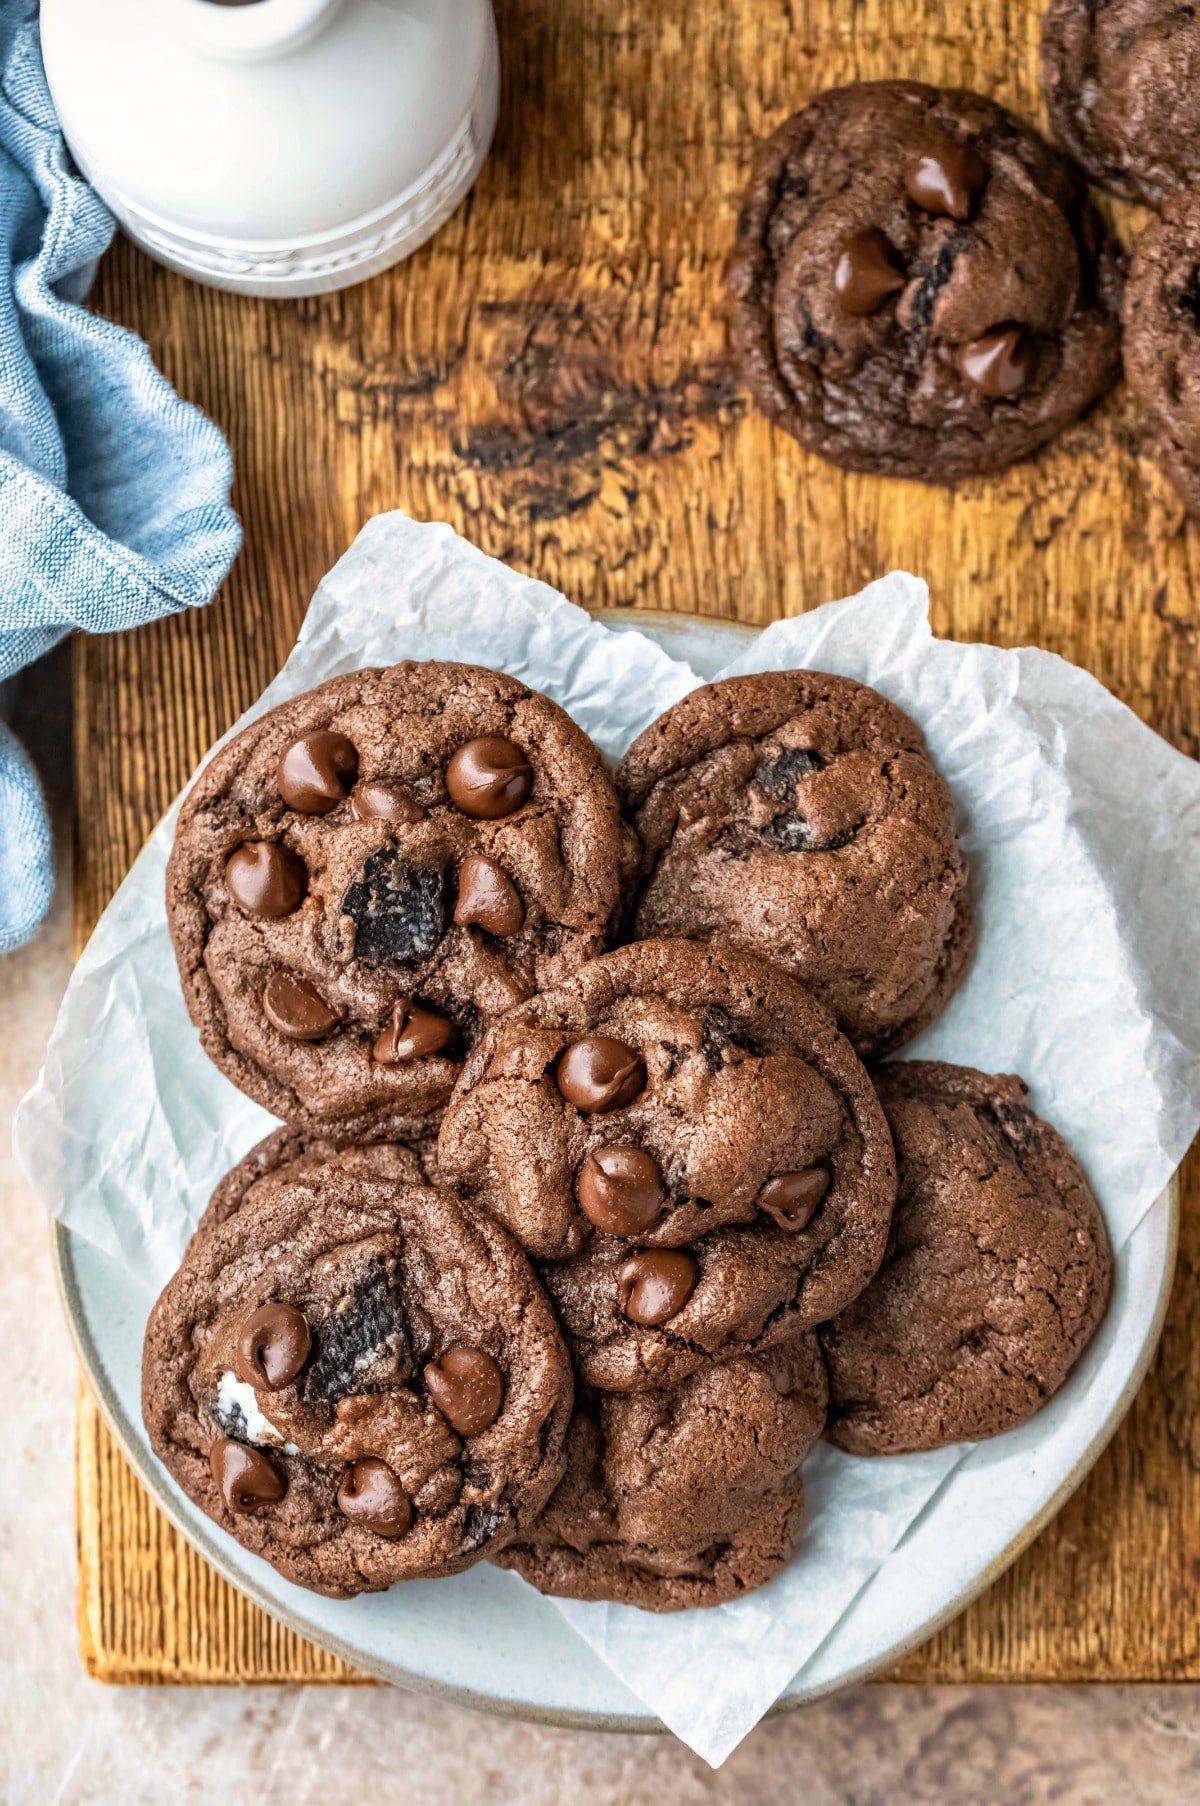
[67, 1741]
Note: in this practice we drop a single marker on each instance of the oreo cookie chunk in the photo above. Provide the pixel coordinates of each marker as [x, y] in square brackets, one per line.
[997, 1275]
[681, 1498]
[354, 1375]
[1122, 82]
[1162, 340]
[919, 285]
[800, 816]
[689, 1146]
[368, 875]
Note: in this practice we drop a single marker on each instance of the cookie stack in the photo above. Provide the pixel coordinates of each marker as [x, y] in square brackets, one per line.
[921, 286]
[587, 1216]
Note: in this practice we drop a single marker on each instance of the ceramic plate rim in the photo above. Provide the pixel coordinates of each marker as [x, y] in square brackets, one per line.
[213, 1549]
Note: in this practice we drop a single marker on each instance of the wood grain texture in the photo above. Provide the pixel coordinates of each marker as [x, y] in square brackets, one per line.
[550, 375]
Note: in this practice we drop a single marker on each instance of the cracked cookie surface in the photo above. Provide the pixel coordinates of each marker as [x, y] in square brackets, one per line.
[368, 875]
[997, 1273]
[353, 1373]
[919, 285]
[690, 1148]
[1162, 339]
[799, 815]
[684, 1497]
[1122, 83]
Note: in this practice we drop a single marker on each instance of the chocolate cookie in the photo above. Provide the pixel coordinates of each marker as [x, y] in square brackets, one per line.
[413, 1149]
[1162, 339]
[368, 875]
[997, 1274]
[799, 815]
[356, 1376]
[691, 1147]
[685, 1497]
[919, 286]
[1122, 82]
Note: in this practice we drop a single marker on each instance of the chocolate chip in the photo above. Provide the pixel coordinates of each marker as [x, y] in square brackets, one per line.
[372, 800]
[398, 909]
[272, 1346]
[620, 1190]
[367, 1328]
[467, 1387]
[791, 1199]
[867, 272]
[487, 897]
[412, 1034]
[654, 1286]
[778, 776]
[265, 879]
[999, 363]
[315, 773]
[947, 179]
[600, 1074]
[296, 1008]
[247, 1478]
[371, 1496]
[489, 778]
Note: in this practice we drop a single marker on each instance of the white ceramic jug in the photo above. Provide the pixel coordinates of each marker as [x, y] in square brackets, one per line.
[276, 147]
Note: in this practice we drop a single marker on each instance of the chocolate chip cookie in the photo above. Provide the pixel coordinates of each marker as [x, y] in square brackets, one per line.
[919, 285]
[368, 875]
[685, 1497]
[997, 1274]
[800, 816]
[354, 1374]
[413, 1146]
[1162, 339]
[691, 1148]
[1122, 82]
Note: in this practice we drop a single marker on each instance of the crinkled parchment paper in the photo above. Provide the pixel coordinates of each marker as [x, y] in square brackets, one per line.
[1084, 832]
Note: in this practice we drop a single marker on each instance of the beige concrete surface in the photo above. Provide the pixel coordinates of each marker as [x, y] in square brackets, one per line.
[65, 1741]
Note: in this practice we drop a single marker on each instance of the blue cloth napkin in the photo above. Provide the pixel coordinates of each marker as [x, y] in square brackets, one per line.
[114, 493]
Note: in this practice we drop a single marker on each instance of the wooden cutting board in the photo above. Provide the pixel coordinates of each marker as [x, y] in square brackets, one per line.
[550, 376]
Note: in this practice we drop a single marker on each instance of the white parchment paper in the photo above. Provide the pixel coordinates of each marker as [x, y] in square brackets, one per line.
[1084, 832]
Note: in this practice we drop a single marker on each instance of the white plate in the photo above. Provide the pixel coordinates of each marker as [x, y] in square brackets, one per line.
[485, 1639]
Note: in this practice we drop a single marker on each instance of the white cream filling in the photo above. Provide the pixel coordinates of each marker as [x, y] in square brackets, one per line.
[236, 1399]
